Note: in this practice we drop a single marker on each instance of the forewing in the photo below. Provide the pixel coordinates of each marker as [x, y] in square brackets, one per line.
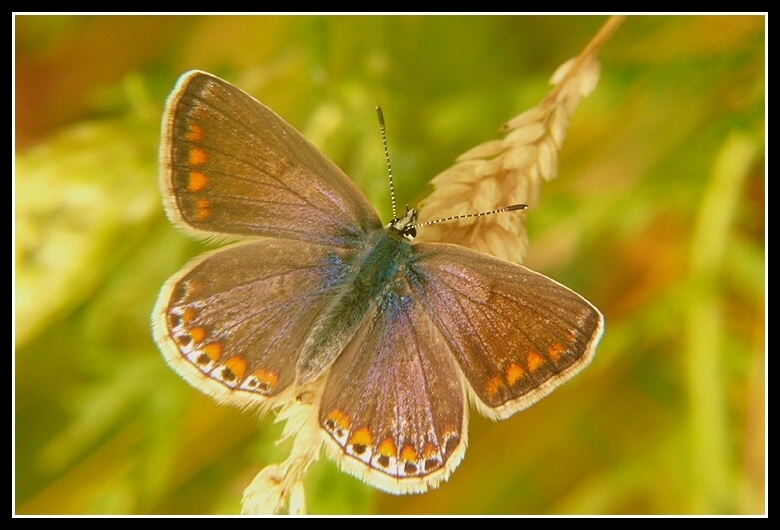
[233, 322]
[516, 334]
[394, 406]
[230, 165]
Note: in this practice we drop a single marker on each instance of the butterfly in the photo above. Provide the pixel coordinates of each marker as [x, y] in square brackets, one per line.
[401, 335]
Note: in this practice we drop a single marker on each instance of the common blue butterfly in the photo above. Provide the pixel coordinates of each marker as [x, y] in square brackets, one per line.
[401, 334]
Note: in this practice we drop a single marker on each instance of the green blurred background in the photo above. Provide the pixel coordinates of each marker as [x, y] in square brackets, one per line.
[658, 217]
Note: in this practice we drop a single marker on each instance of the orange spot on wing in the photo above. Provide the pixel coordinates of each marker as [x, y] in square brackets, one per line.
[430, 450]
[514, 373]
[534, 360]
[188, 315]
[555, 351]
[197, 157]
[408, 454]
[197, 181]
[362, 436]
[339, 418]
[202, 209]
[197, 334]
[237, 365]
[387, 448]
[493, 386]
[268, 378]
[213, 351]
[195, 134]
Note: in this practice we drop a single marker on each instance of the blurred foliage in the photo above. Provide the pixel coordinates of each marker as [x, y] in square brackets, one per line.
[658, 217]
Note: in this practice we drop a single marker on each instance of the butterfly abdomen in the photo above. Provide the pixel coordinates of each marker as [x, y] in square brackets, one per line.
[375, 272]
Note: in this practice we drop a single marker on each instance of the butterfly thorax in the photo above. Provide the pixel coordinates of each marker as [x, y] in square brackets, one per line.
[378, 273]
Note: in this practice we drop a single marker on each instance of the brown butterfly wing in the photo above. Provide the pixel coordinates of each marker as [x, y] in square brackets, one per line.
[233, 322]
[230, 165]
[516, 334]
[394, 406]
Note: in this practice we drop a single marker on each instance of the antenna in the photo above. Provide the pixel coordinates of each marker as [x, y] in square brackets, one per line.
[387, 157]
[409, 219]
[511, 208]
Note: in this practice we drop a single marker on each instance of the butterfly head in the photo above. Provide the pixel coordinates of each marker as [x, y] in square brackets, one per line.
[405, 227]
